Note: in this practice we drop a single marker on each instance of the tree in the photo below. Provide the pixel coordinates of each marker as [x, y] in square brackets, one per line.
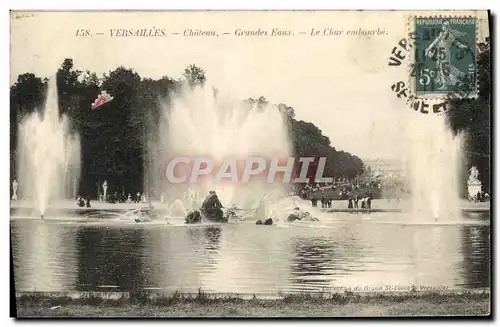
[26, 95]
[115, 137]
[287, 110]
[194, 75]
[118, 142]
[309, 141]
[472, 116]
[67, 84]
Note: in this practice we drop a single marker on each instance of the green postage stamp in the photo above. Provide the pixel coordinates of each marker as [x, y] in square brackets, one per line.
[445, 56]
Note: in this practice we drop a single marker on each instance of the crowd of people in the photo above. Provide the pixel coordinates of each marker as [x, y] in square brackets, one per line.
[325, 202]
[341, 189]
[353, 201]
[359, 194]
[114, 197]
[480, 197]
[366, 202]
[117, 197]
[81, 202]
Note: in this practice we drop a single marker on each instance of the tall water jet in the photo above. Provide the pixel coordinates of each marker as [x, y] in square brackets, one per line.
[48, 155]
[200, 122]
[434, 167]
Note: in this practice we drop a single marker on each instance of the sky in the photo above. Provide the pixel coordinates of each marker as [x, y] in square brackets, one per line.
[341, 83]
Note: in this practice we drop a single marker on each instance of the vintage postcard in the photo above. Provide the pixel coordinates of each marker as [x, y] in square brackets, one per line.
[250, 163]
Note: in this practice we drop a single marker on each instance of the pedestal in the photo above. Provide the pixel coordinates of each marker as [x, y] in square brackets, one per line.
[473, 188]
[14, 191]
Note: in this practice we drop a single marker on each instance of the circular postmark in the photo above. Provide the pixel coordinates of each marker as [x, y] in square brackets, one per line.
[440, 57]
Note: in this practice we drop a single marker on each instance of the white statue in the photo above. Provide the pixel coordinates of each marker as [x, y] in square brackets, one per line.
[473, 175]
[474, 185]
[14, 189]
[105, 189]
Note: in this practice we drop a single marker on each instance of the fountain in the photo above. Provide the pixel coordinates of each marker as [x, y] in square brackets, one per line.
[49, 156]
[177, 209]
[434, 164]
[202, 123]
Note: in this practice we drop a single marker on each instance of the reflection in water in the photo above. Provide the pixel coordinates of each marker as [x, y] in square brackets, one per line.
[245, 258]
[314, 263]
[252, 259]
[109, 258]
[435, 256]
[213, 235]
[178, 258]
[476, 248]
[44, 256]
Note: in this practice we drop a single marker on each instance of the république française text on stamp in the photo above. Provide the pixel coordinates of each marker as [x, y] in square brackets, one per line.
[440, 54]
[445, 56]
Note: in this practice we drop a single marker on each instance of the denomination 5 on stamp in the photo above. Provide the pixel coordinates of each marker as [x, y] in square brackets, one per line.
[444, 58]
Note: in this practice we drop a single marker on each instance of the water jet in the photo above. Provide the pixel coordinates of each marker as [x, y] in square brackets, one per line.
[48, 154]
[201, 123]
[434, 167]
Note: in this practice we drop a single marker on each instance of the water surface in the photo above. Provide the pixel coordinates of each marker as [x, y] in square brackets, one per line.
[346, 250]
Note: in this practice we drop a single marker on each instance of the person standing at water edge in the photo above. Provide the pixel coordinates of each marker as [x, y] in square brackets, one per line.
[314, 201]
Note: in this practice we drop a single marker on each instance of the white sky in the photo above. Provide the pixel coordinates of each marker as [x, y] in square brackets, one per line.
[340, 83]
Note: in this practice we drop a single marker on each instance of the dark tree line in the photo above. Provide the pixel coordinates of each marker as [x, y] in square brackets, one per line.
[473, 117]
[114, 138]
[309, 141]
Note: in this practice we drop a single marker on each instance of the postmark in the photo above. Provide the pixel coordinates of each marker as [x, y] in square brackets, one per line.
[444, 57]
[439, 56]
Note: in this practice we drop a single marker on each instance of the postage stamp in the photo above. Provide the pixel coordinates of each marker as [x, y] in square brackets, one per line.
[444, 57]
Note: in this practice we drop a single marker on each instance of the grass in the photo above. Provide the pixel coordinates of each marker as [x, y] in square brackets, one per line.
[202, 304]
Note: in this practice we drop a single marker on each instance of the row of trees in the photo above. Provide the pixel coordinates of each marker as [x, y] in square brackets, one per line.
[114, 138]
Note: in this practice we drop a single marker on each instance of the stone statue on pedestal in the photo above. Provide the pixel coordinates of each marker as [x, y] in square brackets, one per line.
[474, 185]
[473, 175]
[105, 189]
[14, 189]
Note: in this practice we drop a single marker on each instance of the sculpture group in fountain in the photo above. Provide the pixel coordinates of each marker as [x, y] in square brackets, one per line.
[474, 185]
[14, 189]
